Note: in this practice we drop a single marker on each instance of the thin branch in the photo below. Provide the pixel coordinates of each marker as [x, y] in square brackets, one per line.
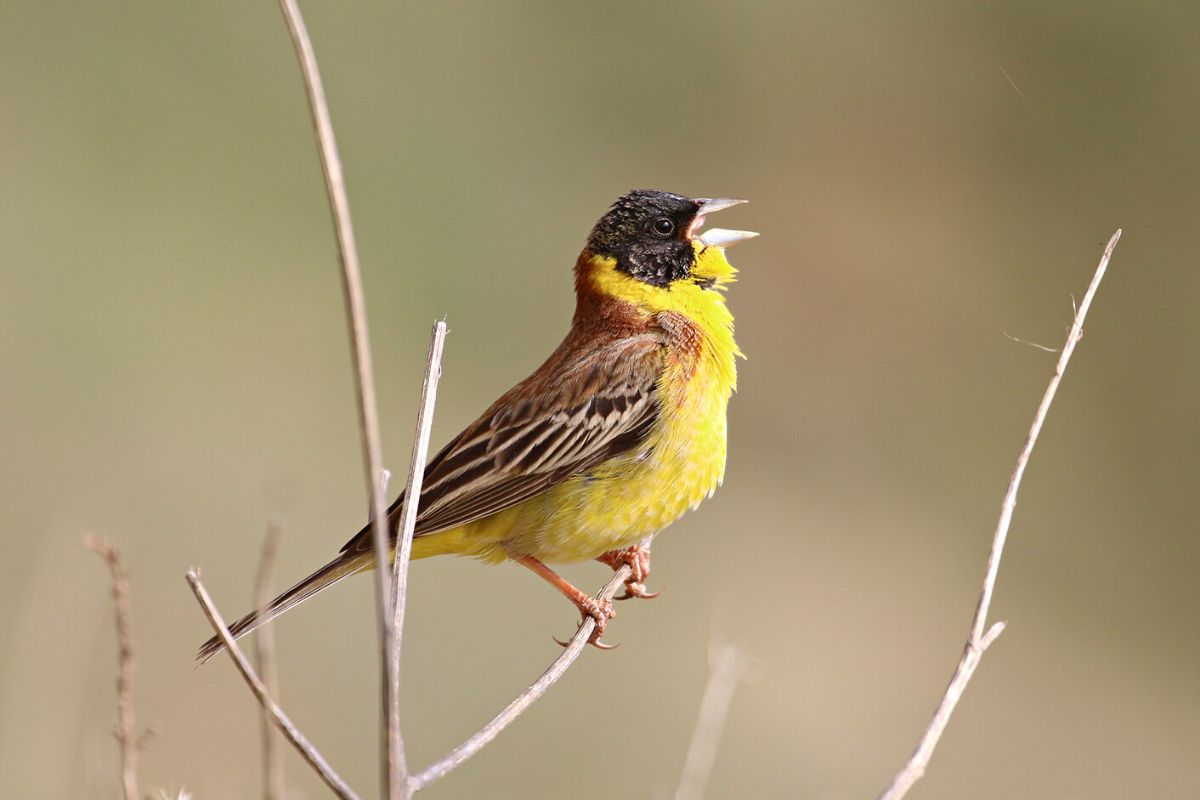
[264, 580]
[728, 669]
[455, 758]
[385, 478]
[395, 774]
[979, 640]
[1010, 497]
[408, 521]
[281, 720]
[128, 740]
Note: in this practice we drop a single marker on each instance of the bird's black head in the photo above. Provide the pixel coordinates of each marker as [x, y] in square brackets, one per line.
[648, 233]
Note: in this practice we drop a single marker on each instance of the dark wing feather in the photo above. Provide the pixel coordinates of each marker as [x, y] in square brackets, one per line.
[576, 412]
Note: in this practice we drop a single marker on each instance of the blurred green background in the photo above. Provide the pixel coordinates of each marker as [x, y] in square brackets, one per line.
[927, 177]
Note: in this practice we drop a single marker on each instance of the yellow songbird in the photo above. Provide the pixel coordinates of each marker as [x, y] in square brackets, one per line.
[615, 436]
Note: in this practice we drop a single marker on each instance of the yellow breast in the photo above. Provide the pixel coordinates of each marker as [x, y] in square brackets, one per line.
[682, 461]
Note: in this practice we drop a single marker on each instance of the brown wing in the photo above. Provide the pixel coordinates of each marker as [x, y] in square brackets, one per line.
[577, 411]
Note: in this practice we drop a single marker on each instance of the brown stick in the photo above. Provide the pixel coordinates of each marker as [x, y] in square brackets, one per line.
[979, 640]
[395, 773]
[264, 580]
[281, 720]
[125, 731]
[455, 758]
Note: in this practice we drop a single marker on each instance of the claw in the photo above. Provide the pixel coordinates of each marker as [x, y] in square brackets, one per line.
[600, 612]
[637, 590]
[594, 642]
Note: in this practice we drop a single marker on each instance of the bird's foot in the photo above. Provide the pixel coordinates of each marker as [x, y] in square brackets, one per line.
[638, 559]
[600, 611]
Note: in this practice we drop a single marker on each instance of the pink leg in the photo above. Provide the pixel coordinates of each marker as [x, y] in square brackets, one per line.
[601, 612]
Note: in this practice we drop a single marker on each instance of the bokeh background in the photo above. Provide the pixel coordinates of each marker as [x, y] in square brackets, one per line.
[930, 179]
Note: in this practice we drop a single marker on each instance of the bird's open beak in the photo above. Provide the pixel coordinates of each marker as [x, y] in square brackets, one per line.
[717, 237]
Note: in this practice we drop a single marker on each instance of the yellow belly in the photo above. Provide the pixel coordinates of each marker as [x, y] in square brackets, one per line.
[622, 501]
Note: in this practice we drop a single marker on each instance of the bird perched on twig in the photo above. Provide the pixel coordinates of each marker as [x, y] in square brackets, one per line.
[612, 439]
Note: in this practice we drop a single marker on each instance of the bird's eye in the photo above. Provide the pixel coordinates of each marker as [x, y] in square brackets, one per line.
[663, 226]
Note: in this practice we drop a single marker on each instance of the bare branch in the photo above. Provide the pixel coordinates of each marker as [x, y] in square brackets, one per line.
[272, 756]
[281, 720]
[128, 740]
[1010, 497]
[385, 478]
[408, 521]
[395, 774]
[455, 758]
[979, 641]
[728, 668]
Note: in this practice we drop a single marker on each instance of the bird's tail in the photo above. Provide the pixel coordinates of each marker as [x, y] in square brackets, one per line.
[346, 563]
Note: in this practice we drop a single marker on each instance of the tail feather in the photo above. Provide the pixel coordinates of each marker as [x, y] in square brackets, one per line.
[347, 563]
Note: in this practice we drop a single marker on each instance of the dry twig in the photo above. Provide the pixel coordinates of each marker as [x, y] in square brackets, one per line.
[979, 640]
[455, 758]
[281, 720]
[395, 773]
[272, 756]
[416, 471]
[728, 668]
[125, 731]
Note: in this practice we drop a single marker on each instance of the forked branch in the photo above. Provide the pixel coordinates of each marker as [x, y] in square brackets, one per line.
[979, 639]
[455, 758]
[395, 774]
[397, 784]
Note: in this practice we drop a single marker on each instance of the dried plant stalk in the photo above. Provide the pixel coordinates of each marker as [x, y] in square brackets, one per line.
[264, 647]
[395, 773]
[281, 720]
[979, 640]
[408, 521]
[128, 741]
